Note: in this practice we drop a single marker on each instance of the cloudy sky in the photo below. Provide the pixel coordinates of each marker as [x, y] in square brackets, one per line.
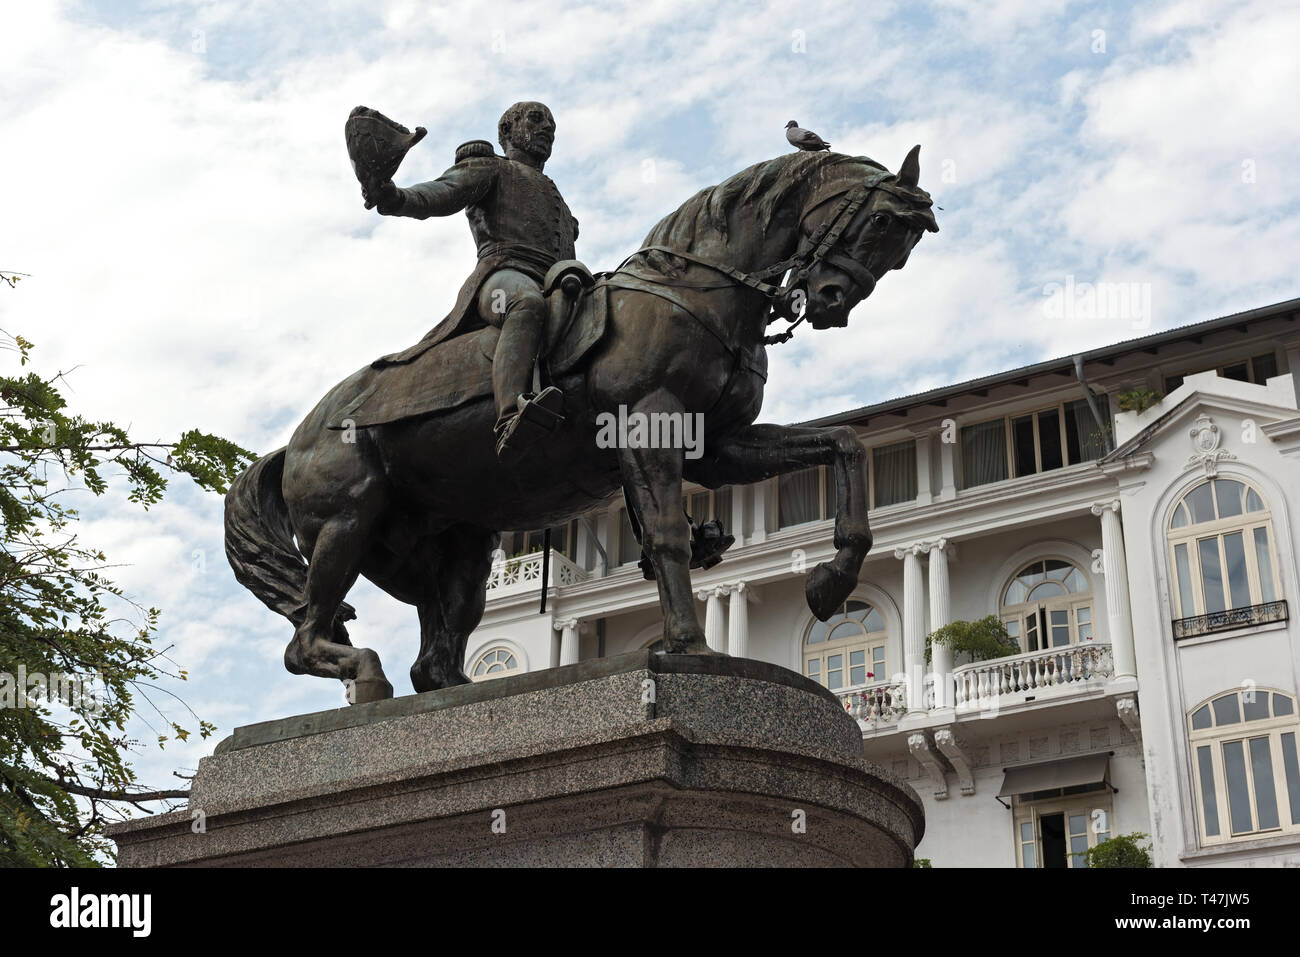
[177, 187]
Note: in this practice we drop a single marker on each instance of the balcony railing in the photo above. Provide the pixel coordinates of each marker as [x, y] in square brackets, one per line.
[525, 572]
[1242, 617]
[878, 703]
[1058, 669]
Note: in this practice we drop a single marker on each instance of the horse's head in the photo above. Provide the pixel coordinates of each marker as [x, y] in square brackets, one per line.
[873, 238]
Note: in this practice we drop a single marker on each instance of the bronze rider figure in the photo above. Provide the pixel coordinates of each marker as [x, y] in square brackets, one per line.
[521, 226]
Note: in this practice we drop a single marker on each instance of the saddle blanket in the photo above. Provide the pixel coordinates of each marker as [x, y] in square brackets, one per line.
[459, 370]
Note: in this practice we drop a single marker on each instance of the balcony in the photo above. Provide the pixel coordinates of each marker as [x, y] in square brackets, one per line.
[524, 573]
[1242, 617]
[1057, 672]
[988, 685]
[882, 702]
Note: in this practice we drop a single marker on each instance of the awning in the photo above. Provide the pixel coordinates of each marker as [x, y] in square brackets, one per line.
[1068, 773]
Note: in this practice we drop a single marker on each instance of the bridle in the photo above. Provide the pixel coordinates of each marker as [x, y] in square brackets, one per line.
[821, 246]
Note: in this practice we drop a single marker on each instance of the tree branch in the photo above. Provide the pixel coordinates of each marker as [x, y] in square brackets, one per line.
[132, 446]
[131, 797]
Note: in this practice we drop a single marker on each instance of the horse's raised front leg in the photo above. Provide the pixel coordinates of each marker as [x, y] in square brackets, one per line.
[653, 479]
[762, 451]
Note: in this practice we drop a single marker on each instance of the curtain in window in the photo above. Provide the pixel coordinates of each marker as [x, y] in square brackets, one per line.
[984, 453]
[722, 507]
[559, 540]
[571, 540]
[1264, 559]
[799, 497]
[894, 473]
[1084, 439]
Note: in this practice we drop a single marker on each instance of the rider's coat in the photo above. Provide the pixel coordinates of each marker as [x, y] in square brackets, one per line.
[518, 219]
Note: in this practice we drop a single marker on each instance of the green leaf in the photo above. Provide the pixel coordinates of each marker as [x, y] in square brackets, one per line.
[61, 615]
[982, 640]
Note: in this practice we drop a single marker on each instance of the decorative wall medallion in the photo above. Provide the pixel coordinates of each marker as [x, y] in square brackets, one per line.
[1206, 439]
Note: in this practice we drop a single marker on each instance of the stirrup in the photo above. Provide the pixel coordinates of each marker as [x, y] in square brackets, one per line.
[537, 417]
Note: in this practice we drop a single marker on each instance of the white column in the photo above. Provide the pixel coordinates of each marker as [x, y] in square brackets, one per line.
[758, 502]
[715, 629]
[940, 615]
[913, 627]
[1118, 609]
[737, 516]
[948, 462]
[923, 481]
[568, 629]
[584, 549]
[738, 621]
[607, 533]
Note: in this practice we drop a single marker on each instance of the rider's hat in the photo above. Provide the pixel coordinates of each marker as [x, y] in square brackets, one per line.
[377, 145]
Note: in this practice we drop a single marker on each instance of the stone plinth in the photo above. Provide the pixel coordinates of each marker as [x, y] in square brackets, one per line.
[640, 760]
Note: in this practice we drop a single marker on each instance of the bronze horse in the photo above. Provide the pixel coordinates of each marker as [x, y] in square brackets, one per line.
[418, 505]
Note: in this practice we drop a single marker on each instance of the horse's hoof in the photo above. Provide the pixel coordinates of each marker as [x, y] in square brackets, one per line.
[827, 588]
[293, 662]
[365, 690]
[424, 681]
[689, 646]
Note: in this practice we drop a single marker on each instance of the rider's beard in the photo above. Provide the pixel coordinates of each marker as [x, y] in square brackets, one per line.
[538, 147]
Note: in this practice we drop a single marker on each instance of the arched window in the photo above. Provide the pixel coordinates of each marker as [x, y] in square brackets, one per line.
[1245, 764]
[494, 663]
[848, 649]
[1221, 550]
[1048, 605]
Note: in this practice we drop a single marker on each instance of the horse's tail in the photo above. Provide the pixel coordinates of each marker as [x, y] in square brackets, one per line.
[260, 545]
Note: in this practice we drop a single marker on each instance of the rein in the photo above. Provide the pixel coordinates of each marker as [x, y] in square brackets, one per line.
[819, 246]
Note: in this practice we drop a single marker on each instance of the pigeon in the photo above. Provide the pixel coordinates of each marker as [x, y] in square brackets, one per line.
[804, 139]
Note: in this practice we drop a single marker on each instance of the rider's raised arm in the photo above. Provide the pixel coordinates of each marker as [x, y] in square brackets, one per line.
[464, 184]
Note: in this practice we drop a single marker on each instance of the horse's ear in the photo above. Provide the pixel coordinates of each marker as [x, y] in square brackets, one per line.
[909, 174]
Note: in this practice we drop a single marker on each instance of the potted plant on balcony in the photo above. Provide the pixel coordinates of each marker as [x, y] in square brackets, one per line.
[1138, 400]
[980, 640]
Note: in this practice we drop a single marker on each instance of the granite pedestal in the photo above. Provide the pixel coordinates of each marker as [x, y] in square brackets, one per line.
[642, 760]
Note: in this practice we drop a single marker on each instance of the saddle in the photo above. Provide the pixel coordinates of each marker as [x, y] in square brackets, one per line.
[459, 370]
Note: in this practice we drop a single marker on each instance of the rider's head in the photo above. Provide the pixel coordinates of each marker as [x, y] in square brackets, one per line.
[529, 129]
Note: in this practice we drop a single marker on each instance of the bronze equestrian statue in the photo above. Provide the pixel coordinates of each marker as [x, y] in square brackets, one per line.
[395, 474]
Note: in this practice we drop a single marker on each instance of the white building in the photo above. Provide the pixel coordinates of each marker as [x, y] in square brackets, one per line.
[1146, 574]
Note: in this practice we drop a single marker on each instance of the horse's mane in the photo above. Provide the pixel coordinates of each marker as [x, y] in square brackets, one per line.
[769, 183]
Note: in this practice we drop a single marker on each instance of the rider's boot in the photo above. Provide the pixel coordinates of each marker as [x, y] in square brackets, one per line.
[523, 417]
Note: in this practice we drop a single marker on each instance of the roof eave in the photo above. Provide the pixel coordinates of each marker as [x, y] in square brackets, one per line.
[1062, 363]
